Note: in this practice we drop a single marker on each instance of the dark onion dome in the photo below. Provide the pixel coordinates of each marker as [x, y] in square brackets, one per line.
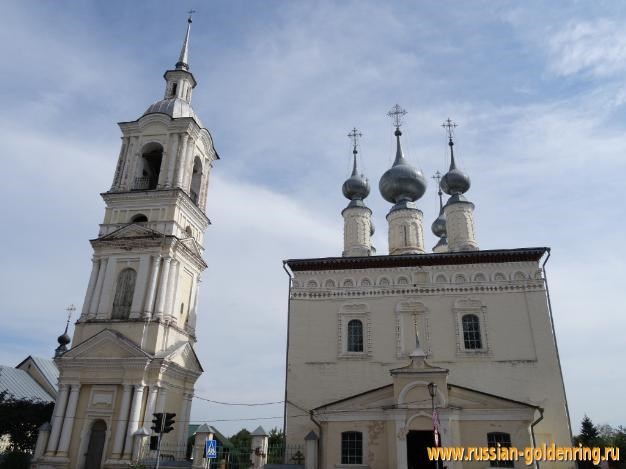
[64, 339]
[454, 181]
[402, 182]
[439, 225]
[356, 187]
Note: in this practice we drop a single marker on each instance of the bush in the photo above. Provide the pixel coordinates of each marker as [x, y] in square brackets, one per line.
[15, 460]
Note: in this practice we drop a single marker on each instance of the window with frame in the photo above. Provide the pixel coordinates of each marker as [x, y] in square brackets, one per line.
[355, 336]
[504, 441]
[471, 332]
[352, 448]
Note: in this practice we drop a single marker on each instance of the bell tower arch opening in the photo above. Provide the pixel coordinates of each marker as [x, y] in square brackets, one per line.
[150, 167]
[124, 292]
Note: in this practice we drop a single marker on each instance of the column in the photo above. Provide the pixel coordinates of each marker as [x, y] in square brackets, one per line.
[180, 161]
[93, 308]
[68, 421]
[193, 308]
[121, 423]
[127, 182]
[150, 405]
[161, 399]
[160, 302]
[120, 166]
[168, 310]
[149, 305]
[90, 287]
[57, 419]
[133, 420]
[136, 307]
[174, 155]
[108, 290]
[188, 165]
[183, 422]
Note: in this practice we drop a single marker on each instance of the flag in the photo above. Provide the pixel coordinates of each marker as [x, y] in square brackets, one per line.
[436, 427]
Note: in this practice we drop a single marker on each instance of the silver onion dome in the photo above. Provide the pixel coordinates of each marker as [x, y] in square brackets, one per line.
[402, 182]
[356, 187]
[439, 226]
[455, 181]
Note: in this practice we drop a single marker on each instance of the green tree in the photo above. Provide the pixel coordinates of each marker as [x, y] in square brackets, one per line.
[20, 419]
[588, 432]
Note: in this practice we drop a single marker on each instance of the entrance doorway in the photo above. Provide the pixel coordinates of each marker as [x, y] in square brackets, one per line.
[95, 448]
[416, 444]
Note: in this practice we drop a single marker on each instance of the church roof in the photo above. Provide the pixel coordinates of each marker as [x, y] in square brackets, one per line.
[47, 367]
[417, 260]
[21, 385]
[175, 108]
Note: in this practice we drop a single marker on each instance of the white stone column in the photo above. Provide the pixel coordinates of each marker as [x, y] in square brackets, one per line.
[193, 308]
[120, 165]
[357, 228]
[95, 265]
[122, 422]
[189, 160]
[93, 308]
[131, 163]
[171, 290]
[108, 290]
[42, 440]
[406, 233]
[401, 460]
[68, 421]
[183, 421]
[133, 419]
[151, 403]
[180, 161]
[460, 226]
[154, 274]
[162, 399]
[136, 307]
[162, 291]
[57, 419]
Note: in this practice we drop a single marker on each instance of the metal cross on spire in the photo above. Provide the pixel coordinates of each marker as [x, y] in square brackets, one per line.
[354, 135]
[449, 126]
[396, 114]
[437, 177]
[70, 310]
[190, 12]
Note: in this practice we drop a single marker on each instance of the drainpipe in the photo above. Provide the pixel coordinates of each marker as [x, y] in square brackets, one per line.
[319, 440]
[532, 432]
[556, 347]
[287, 350]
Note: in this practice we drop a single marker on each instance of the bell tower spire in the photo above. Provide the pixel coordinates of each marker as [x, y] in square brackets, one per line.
[183, 58]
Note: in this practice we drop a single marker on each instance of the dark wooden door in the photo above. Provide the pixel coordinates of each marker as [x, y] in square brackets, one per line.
[96, 445]
[416, 444]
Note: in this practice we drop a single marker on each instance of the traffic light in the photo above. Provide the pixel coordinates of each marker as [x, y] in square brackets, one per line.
[158, 423]
[168, 426]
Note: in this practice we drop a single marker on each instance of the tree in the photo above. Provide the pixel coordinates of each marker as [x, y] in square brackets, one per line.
[241, 439]
[588, 432]
[20, 419]
[276, 437]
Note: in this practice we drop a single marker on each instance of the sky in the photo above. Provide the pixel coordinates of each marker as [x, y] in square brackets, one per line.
[537, 89]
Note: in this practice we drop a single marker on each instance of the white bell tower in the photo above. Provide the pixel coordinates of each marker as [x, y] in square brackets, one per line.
[132, 351]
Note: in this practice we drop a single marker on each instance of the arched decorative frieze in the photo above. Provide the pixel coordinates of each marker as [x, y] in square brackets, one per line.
[460, 278]
[440, 398]
[311, 284]
[441, 278]
[366, 282]
[480, 277]
[499, 277]
[348, 283]
[519, 275]
[402, 280]
[384, 281]
[329, 283]
[296, 284]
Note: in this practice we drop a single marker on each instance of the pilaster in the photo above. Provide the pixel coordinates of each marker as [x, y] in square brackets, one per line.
[122, 422]
[357, 227]
[133, 419]
[460, 226]
[68, 421]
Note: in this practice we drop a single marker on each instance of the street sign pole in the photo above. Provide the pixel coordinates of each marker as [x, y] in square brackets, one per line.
[158, 455]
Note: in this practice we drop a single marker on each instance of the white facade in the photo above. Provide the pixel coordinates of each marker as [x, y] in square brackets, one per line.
[132, 351]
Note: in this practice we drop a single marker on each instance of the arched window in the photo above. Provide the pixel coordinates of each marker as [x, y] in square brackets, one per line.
[471, 332]
[330, 283]
[355, 336]
[124, 294]
[196, 180]
[188, 231]
[151, 157]
[352, 448]
[504, 440]
[139, 218]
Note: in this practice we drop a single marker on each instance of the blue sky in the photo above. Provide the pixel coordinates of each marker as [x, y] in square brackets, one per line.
[536, 87]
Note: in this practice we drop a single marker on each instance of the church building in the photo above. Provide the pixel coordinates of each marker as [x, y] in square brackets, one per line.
[384, 349]
[132, 351]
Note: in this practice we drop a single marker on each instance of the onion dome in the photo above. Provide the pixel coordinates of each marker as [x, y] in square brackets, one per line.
[455, 181]
[439, 225]
[356, 187]
[402, 182]
[64, 339]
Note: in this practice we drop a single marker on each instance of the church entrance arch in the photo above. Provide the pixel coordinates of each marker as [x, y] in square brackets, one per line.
[95, 448]
[416, 443]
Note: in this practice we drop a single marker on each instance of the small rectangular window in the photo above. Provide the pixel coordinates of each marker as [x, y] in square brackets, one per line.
[351, 448]
[504, 440]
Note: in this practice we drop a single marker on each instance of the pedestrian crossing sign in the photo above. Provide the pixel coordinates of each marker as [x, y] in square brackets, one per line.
[210, 449]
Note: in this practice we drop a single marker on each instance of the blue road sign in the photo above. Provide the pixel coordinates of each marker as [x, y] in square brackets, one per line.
[210, 449]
